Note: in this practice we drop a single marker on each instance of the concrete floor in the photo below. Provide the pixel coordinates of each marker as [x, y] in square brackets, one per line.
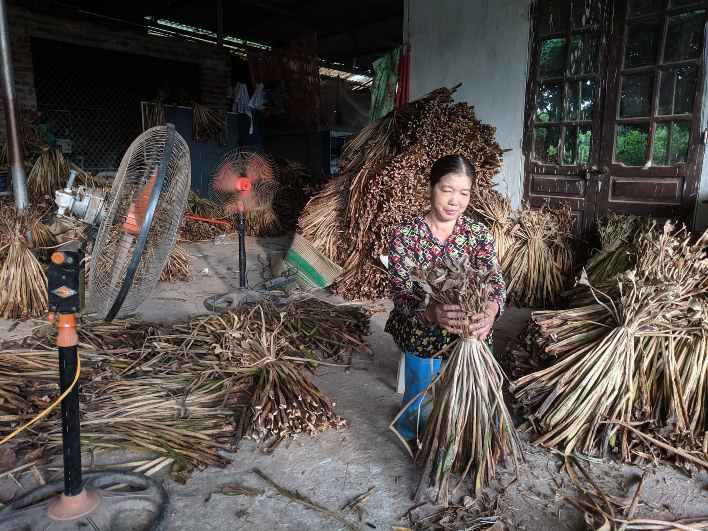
[338, 466]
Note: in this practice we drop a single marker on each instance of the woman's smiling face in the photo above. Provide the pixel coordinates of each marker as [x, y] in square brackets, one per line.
[450, 196]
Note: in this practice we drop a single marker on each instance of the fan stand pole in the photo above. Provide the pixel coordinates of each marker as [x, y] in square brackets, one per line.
[63, 283]
[242, 250]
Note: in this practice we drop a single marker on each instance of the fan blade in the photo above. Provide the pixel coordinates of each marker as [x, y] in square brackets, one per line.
[138, 208]
[259, 169]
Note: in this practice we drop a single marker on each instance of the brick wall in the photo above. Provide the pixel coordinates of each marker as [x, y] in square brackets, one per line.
[24, 25]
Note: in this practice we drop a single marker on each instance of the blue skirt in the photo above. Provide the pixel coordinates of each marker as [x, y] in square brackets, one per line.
[419, 373]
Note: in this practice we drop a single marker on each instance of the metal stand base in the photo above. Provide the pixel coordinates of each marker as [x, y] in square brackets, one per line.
[122, 501]
[228, 301]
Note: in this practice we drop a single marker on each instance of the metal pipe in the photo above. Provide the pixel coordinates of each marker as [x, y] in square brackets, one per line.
[71, 430]
[242, 249]
[14, 141]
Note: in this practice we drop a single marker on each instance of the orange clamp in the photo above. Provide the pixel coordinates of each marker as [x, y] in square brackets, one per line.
[67, 335]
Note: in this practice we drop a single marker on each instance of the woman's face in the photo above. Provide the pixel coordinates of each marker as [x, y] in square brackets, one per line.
[450, 196]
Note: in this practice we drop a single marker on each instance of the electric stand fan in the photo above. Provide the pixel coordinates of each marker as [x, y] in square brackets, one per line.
[244, 184]
[138, 228]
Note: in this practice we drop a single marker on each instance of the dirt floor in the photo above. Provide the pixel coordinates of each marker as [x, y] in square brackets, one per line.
[336, 467]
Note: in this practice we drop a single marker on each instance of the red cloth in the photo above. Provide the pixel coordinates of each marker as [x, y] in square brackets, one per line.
[404, 71]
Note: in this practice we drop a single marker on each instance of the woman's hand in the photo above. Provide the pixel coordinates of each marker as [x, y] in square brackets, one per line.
[481, 324]
[448, 316]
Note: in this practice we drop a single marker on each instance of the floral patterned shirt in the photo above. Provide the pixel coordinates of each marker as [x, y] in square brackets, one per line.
[414, 241]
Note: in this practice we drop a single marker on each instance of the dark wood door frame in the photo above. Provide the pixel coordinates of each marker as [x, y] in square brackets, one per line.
[586, 189]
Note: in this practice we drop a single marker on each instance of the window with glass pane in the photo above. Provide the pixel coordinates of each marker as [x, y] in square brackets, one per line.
[583, 54]
[577, 144]
[549, 102]
[671, 142]
[552, 59]
[636, 95]
[546, 144]
[631, 143]
[553, 16]
[586, 13]
[580, 100]
[677, 90]
[684, 37]
[642, 44]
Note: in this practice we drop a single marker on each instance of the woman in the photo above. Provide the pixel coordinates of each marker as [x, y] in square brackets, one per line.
[444, 231]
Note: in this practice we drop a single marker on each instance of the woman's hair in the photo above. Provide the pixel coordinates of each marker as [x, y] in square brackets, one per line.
[451, 164]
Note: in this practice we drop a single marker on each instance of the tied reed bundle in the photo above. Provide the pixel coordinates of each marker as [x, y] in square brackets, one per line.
[178, 266]
[322, 220]
[617, 254]
[633, 359]
[284, 403]
[469, 429]
[495, 210]
[539, 262]
[48, 174]
[23, 282]
[206, 124]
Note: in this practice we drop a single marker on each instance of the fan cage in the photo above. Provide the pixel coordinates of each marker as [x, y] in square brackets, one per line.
[264, 173]
[115, 247]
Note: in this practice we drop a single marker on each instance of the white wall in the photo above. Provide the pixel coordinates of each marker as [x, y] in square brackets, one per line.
[482, 44]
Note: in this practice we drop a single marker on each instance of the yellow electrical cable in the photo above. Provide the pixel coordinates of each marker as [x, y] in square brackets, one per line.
[50, 408]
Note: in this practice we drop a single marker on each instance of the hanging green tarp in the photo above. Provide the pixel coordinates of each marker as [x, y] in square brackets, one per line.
[383, 89]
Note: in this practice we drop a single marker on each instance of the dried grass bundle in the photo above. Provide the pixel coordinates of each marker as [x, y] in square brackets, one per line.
[23, 282]
[204, 207]
[296, 186]
[206, 124]
[263, 222]
[384, 181]
[495, 210]
[631, 359]
[469, 429]
[199, 231]
[178, 266]
[48, 174]
[617, 254]
[284, 402]
[322, 220]
[538, 264]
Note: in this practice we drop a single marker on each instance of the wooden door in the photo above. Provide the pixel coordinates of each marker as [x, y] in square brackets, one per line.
[652, 145]
[563, 105]
[613, 104]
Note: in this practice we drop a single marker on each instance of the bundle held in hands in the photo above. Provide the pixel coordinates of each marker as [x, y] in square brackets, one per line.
[469, 429]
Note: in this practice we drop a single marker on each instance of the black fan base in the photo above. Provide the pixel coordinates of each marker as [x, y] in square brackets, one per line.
[137, 505]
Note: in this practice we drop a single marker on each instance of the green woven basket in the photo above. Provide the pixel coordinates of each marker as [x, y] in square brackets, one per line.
[314, 270]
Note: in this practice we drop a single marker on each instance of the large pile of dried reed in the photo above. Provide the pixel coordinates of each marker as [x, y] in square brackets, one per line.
[630, 377]
[384, 180]
[188, 390]
[469, 429]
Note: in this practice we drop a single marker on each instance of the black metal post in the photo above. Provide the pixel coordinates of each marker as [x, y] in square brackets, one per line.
[64, 302]
[70, 429]
[242, 249]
